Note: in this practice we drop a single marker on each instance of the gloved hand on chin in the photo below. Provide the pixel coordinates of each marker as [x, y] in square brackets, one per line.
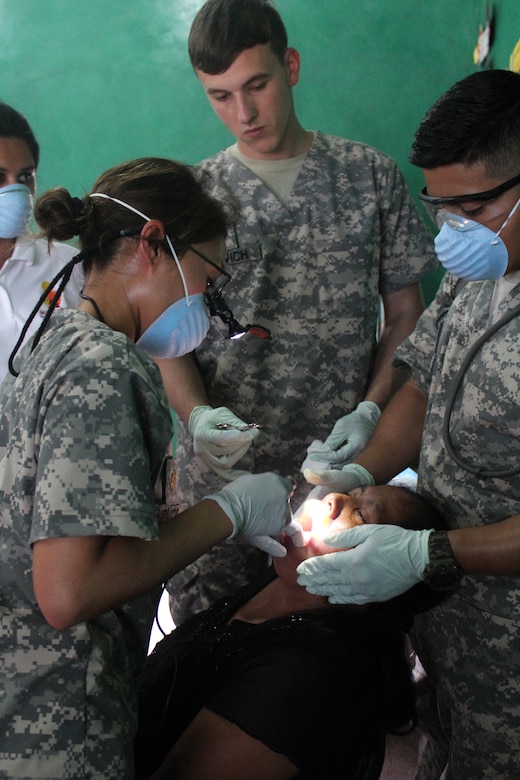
[384, 561]
[346, 440]
[258, 507]
[220, 448]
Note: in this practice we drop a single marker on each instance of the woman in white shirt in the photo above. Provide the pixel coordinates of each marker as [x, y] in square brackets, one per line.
[27, 265]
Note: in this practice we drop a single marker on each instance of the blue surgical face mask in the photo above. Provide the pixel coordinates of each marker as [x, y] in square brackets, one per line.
[471, 250]
[15, 210]
[184, 324]
[179, 329]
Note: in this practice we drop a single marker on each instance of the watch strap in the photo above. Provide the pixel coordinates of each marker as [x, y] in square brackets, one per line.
[443, 571]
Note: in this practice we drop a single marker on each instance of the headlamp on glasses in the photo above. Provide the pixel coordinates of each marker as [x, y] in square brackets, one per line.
[216, 304]
[219, 308]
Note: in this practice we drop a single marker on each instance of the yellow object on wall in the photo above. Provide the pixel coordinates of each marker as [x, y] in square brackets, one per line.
[481, 50]
[514, 59]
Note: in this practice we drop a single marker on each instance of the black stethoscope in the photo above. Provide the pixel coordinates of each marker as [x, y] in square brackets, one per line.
[450, 402]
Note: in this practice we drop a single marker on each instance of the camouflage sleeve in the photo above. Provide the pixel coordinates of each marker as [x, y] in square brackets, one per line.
[96, 456]
[407, 251]
[420, 351]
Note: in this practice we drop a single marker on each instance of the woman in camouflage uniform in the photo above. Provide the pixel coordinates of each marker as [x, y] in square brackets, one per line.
[84, 427]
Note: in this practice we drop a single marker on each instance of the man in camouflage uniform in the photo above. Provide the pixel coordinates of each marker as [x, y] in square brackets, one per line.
[326, 231]
[466, 425]
[469, 645]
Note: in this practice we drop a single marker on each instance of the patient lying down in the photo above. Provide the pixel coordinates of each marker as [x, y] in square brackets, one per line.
[276, 683]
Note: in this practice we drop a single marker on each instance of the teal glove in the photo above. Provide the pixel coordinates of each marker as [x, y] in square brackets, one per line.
[348, 437]
[343, 481]
[386, 560]
[220, 448]
[258, 507]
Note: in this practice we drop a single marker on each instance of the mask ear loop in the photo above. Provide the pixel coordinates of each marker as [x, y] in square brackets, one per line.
[507, 220]
[140, 214]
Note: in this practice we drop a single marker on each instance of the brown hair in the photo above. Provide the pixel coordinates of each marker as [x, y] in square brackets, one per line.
[222, 29]
[162, 189]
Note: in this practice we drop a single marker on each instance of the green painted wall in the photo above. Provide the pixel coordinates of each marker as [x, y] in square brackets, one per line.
[103, 81]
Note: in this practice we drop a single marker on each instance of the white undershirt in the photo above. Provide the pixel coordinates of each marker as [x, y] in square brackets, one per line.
[278, 175]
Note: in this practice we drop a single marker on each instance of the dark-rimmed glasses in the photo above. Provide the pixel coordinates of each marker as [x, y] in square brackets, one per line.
[222, 279]
[432, 203]
[216, 303]
[475, 196]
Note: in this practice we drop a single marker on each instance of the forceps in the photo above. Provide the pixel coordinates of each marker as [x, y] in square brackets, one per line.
[244, 427]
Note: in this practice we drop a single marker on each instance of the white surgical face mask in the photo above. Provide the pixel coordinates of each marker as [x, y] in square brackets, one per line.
[178, 330]
[471, 250]
[15, 210]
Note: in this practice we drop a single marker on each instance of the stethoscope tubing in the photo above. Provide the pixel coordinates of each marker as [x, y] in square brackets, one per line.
[452, 394]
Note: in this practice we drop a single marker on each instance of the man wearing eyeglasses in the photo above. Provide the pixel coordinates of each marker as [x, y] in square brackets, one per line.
[459, 412]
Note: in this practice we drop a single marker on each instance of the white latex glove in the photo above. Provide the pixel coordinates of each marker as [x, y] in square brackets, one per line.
[220, 448]
[346, 440]
[258, 507]
[273, 546]
[343, 481]
[386, 560]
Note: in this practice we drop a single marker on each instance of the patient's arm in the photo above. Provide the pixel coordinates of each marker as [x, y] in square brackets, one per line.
[213, 747]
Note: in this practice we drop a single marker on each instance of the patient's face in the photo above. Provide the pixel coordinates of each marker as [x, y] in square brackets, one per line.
[388, 504]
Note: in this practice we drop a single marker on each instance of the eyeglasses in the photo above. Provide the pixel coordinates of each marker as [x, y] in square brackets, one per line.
[431, 202]
[216, 303]
[475, 196]
[464, 225]
[218, 307]
[455, 221]
[222, 279]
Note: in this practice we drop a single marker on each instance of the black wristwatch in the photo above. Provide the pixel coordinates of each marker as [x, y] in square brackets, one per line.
[442, 572]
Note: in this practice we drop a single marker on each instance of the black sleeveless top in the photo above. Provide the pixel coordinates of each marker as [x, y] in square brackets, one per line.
[310, 685]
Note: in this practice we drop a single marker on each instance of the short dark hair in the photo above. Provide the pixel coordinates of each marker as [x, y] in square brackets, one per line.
[224, 28]
[15, 125]
[475, 121]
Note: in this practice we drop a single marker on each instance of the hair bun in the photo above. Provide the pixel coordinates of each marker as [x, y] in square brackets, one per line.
[79, 208]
